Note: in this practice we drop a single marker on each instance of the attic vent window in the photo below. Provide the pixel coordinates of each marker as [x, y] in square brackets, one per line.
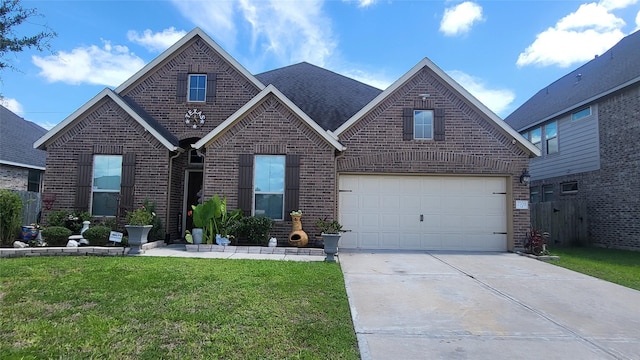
[581, 114]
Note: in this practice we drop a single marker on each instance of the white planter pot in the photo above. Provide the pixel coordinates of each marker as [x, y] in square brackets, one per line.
[137, 237]
[197, 236]
[330, 246]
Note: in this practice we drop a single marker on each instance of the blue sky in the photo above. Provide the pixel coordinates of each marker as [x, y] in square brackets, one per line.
[502, 52]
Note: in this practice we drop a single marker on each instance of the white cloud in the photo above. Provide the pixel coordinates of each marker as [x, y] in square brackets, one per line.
[579, 36]
[617, 4]
[377, 80]
[159, 41]
[495, 99]
[362, 3]
[13, 105]
[287, 30]
[216, 18]
[457, 20]
[638, 21]
[108, 65]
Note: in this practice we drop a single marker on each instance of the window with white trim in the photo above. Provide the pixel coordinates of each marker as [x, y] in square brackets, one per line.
[105, 189]
[269, 173]
[581, 114]
[423, 124]
[197, 88]
[535, 136]
[551, 137]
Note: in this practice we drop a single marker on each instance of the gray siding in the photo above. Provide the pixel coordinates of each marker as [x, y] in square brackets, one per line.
[578, 149]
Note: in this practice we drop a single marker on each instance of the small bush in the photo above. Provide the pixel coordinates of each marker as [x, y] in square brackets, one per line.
[254, 229]
[10, 216]
[97, 235]
[71, 219]
[157, 232]
[56, 235]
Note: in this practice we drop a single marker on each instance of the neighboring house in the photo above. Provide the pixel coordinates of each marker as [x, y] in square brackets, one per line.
[587, 125]
[421, 165]
[21, 166]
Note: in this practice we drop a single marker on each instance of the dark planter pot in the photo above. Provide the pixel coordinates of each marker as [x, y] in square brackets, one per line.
[137, 237]
[330, 246]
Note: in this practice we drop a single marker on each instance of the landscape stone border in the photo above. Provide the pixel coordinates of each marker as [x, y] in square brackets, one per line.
[74, 251]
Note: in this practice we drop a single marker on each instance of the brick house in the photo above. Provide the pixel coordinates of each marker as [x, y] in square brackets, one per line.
[399, 168]
[587, 124]
[21, 166]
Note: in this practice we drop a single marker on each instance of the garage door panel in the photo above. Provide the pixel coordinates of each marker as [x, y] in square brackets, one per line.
[458, 213]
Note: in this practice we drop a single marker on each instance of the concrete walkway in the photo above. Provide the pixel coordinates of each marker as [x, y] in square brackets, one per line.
[420, 305]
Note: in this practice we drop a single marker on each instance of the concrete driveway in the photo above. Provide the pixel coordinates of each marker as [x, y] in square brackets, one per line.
[444, 305]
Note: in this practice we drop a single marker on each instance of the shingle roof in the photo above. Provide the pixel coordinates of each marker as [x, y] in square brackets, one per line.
[17, 136]
[151, 121]
[619, 66]
[328, 98]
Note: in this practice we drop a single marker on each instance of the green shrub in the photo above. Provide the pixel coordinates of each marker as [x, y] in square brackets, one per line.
[71, 219]
[157, 232]
[97, 235]
[254, 229]
[10, 216]
[56, 235]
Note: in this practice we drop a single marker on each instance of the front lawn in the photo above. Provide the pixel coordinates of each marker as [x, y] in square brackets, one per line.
[173, 308]
[617, 266]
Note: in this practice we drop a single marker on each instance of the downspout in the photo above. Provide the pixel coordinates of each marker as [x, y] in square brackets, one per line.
[167, 215]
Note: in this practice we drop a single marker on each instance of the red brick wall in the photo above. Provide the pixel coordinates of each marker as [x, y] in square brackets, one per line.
[107, 129]
[156, 92]
[473, 144]
[271, 128]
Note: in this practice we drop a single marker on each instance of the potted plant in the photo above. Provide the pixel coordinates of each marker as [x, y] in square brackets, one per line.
[138, 226]
[212, 216]
[331, 231]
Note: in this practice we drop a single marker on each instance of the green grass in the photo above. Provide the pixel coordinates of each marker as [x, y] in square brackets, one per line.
[618, 266]
[173, 308]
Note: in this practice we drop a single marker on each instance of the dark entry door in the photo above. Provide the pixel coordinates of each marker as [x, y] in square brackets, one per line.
[193, 193]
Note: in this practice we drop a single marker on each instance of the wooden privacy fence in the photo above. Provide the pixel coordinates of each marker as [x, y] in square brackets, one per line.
[31, 206]
[565, 221]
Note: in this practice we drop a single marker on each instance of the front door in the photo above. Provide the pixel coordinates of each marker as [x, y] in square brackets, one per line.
[193, 194]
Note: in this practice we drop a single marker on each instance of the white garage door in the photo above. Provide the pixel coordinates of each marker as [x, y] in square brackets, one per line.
[423, 212]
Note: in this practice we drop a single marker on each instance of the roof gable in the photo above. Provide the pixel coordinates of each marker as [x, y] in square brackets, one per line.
[490, 115]
[328, 98]
[197, 32]
[17, 136]
[154, 128]
[229, 122]
[615, 69]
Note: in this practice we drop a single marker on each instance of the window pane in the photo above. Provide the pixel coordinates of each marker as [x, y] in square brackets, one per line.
[423, 124]
[534, 195]
[536, 137]
[107, 171]
[581, 114]
[104, 203]
[197, 87]
[34, 181]
[270, 205]
[269, 174]
[547, 192]
[552, 145]
[551, 130]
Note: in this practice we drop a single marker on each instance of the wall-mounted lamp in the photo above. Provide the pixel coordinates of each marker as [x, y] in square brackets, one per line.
[424, 96]
[525, 178]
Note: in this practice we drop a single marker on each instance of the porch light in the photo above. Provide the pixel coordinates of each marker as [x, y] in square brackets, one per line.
[525, 178]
